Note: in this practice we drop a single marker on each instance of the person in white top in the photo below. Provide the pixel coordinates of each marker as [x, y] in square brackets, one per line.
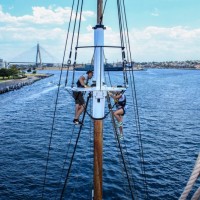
[120, 101]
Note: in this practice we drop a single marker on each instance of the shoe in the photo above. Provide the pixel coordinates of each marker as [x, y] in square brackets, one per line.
[79, 122]
[121, 137]
[75, 121]
[119, 124]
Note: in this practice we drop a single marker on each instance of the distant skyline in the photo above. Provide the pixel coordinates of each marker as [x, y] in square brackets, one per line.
[159, 30]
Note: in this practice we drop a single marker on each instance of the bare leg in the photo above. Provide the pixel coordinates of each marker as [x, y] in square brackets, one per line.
[79, 109]
[118, 115]
[121, 127]
[76, 111]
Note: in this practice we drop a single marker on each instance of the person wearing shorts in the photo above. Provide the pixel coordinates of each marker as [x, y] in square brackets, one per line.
[78, 96]
[120, 102]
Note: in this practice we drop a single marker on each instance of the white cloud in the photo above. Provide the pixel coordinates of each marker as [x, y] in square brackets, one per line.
[41, 15]
[10, 34]
[159, 43]
[151, 43]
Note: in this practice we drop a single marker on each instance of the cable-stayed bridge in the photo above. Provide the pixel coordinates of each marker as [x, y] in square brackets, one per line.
[36, 56]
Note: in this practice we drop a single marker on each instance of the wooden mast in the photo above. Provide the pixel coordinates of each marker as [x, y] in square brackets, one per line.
[98, 137]
[99, 11]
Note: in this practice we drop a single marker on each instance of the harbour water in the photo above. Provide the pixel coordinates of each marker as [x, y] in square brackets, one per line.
[169, 111]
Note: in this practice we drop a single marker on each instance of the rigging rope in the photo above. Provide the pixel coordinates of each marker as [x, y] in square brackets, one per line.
[55, 108]
[122, 43]
[71, 160]
[69, 61]
[72, 40]
[123, 38]
[134, 97]
[195, 174]
[51, 134]
[66, 156]
[138, 130]
[196, 195]
[120, 147]
[102, 117]
[127, 32]
[104, 7]
[74, 65]
[80, 176]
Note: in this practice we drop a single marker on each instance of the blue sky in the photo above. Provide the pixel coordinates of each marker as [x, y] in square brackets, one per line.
[160, 30]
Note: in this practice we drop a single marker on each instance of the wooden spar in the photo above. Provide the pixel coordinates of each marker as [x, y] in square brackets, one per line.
[99, 11]
[98, 137]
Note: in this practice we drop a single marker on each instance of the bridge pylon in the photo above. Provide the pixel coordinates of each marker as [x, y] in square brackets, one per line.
[38, 62]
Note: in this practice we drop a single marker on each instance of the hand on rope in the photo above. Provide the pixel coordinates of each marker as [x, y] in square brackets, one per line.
[86, 86]
[110, 94]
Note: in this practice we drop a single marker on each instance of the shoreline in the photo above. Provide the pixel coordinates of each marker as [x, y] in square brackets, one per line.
[15, 84]
[135, 69]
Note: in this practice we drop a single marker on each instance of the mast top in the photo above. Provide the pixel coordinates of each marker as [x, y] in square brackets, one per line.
[99, 11]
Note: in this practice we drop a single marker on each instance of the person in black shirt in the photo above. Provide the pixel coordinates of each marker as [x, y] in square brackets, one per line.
[78, 96]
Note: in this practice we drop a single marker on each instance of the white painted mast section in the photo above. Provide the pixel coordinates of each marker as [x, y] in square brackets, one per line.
[98, 58]
[101, 89]
[99, 95]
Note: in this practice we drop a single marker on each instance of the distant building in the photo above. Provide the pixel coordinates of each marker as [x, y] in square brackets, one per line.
[1, 63]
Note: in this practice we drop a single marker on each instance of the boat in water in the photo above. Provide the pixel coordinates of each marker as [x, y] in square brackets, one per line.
[111, 67]
[107, 67]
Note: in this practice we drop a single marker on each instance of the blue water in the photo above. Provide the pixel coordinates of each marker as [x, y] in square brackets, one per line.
[169, 111]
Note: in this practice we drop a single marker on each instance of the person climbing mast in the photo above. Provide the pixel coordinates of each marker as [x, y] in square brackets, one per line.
[120, 101]
[78, 96]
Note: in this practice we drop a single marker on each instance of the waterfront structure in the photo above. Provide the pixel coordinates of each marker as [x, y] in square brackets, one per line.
[2, 65]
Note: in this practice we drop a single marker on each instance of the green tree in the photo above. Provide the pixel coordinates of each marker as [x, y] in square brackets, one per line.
[13, 71]
[4, 72]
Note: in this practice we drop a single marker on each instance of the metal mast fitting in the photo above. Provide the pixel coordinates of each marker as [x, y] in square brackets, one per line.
[99, 94]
